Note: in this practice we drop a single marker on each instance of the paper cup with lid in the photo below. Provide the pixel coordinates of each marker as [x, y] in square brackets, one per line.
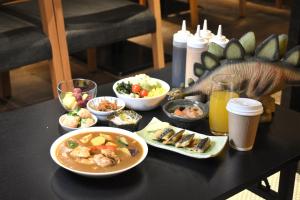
[243, 120]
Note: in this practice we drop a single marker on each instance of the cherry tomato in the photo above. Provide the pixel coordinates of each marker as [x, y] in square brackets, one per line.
[143, 93]
[136, 88]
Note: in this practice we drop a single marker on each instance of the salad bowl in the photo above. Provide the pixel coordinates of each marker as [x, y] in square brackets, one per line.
[142, 103]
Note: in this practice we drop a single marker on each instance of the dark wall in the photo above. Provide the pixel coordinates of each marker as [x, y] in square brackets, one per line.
[291, 96]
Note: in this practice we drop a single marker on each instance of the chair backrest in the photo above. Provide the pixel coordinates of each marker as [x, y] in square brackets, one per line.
[22, 43]
[9, 2]
[92, 23]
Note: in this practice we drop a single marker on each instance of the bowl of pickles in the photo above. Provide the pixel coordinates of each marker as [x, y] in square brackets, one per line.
[125, 119]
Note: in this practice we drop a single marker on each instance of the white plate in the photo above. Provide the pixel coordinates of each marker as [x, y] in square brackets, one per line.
[217, 142]
[62, 138]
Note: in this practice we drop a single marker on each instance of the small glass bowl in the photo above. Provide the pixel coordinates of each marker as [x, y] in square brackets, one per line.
[75, 93]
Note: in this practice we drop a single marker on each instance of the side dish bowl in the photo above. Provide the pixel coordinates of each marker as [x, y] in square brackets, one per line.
[142, 104]
[107, 130]
[170, 107]
[125, 119]
[102, 115]
[67, 128]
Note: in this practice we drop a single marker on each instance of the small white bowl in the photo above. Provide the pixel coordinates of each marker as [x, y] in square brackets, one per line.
[142, 104]
[102, 115]
[107, 130]
[66, 128]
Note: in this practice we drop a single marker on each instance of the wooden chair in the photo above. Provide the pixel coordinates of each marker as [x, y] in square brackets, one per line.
[194, 11]
[93, 23]
[22, 43]
[242, 6]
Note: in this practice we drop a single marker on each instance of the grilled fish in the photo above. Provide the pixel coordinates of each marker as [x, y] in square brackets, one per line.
[174, 138]
[185, 140]
[203, 145]
[163, 134]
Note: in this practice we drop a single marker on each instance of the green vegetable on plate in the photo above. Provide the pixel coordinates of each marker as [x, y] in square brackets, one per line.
[124, 88]
[72, 144]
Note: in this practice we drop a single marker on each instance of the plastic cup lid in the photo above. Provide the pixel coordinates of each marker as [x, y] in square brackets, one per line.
[182, 35]
[244, 106]
[196, 41]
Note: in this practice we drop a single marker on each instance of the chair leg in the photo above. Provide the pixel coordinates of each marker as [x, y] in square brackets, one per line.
[242, 6]
[92, 59]
[142, 2]
[278, 3]
[54, 28]
[194, 13]
[157, 40]
[5, 87]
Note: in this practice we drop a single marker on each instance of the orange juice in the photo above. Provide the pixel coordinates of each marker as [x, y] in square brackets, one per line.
[218, 115]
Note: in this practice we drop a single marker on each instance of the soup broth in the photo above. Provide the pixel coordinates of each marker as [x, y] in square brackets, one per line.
[99, 152]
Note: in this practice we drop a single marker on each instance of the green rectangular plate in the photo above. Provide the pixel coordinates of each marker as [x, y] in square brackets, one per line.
[217, 142]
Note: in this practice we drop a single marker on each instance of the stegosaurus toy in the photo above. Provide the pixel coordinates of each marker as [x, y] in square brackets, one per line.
[260, 71]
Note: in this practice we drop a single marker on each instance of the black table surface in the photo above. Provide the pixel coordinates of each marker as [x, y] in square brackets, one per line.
[28, 172]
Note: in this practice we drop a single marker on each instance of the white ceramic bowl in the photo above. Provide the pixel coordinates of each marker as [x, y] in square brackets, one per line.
[107, 130]
[66, 128]
[142, 104]
[102, 115]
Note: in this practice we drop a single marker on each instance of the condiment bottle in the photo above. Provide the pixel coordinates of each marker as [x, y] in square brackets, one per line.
[219, 38]
[179, 56]
[205, 33]
[195, 46]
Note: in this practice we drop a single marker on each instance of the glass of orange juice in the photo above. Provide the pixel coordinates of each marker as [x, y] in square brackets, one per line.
[223, 89]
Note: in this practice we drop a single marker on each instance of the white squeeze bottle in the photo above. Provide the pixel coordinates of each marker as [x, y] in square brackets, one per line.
[179, 56]
[195, 46]
[219, 38]
[205, 33]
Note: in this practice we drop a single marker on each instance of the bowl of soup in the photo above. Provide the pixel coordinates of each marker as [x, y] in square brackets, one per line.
[99, 151]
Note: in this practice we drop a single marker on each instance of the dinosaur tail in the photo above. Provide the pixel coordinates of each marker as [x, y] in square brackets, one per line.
[293, 78]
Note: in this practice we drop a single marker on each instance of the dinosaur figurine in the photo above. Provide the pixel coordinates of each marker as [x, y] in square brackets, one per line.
[259, 71]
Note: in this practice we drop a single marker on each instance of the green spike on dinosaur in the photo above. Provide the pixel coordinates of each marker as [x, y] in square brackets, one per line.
[216, 49]
[191, 82]
[248, 42]
[234, 50]
[268, 50]
[209, 60]
[283, 40]
[293, 57]
[199, 69]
